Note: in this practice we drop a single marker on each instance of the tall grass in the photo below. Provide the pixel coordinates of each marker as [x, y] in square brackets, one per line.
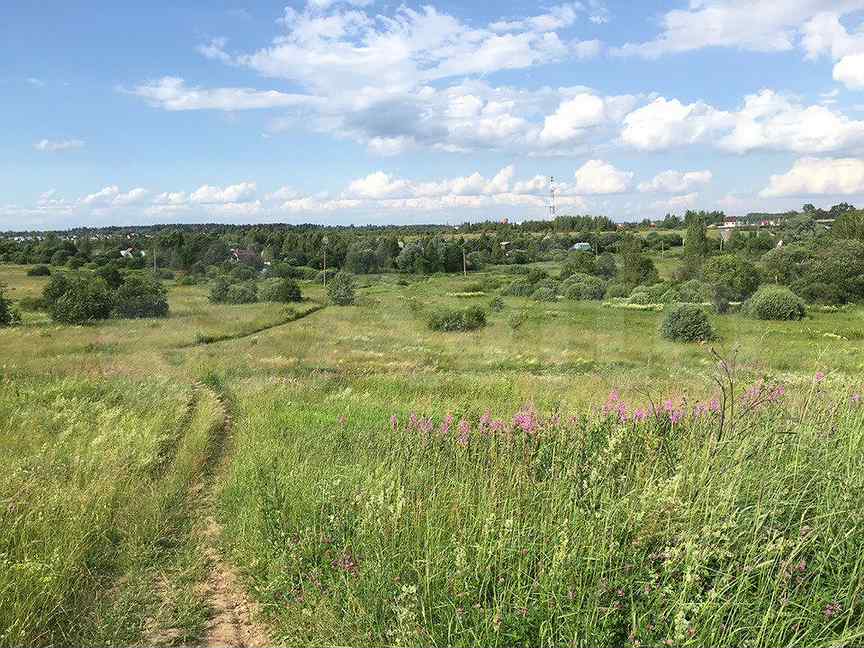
[604, 529]
[95, 473]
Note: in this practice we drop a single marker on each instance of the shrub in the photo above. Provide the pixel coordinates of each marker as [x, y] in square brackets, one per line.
[79, 299]
[740, 277]
[775, 303]
[545, 294]
[686, 323]
[617, 289]
[466, 319]
[518, 288]
[243, 273]
[330, 273]
[110, 275]
[341, 289]
[242, 293]
[670, 296]
[39, 271]
[641, 298]
[141, 296]
[694, 292]
[188, 280]
[219, 290]
[579, 263]
[582, 286]
[496, 305]
[9, 316]
[283, 291]
[517, 319]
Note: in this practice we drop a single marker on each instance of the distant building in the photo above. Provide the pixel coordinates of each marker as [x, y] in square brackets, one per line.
[249, 257]
[580, 247]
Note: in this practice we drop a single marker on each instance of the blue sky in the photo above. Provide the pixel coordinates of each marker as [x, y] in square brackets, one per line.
[364, 111]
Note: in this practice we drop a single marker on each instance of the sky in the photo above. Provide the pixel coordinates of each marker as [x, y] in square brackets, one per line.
[371, 111]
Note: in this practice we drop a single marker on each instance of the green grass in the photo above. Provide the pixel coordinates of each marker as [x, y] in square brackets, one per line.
[110, 436]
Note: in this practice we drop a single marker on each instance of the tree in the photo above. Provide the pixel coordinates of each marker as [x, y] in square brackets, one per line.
[141, 295]
[740, 278]
[84, 298]
[340, 289]
[849, 225]
[8, 314]
[636, 268]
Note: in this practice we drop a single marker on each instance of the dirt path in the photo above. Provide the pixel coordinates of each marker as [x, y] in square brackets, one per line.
[232, 611]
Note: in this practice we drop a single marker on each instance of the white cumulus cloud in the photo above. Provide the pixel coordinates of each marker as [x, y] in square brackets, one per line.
[599, 177]
[818, 176]
[675, 181]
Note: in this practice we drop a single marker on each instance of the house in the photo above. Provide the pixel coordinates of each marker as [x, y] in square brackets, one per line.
[580, 247]
[128, 253]
[249, 257]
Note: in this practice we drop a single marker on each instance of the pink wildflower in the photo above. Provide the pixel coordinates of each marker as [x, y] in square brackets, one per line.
[777, 393]
[675, 416]
[856, 399]
[714, 405]
[485, 420]
[445, 424]
[412, 421]
[668, 406]
[464, 429]
[819, 377]
[394, 423]
[639, 415]
[833, 609]
[526, 421]
[699, 410]
[622, 412]
[497, 425]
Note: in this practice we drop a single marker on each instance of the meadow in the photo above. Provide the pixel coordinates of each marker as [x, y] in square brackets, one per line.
[566, 481]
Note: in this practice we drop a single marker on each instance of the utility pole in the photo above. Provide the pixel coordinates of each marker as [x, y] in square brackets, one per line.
[553, 200]
[154, 256]
[464, 262]
[324, 240]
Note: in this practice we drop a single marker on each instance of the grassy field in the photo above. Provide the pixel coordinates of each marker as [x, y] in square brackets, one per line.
[547, 521]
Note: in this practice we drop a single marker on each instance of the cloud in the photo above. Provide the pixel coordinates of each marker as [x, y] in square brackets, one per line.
[766, 121]
[599, 177]
[664, 124]
[36, 83]
[210, 195]
[52, 146]
[850, 71]
[818, 176]
[104, 196]
[676, 203]
[771, 121]
[751, 25]
[172, 93]
[675, 181]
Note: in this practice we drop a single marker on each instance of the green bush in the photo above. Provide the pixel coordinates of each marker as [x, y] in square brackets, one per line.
[141, 295]
[110, 275]
[578, 263]
[39, 271]
[282, 291]
[775, 303]
[641, 298]
[671, 296]
[9, 315]
[518, 288]
[739, 276]
[78, 299]
[243, 273]
[242, 293]
[618, 289]
[455, 319]
[581, 286]
[517, 319]
[188, 280]
[219, 290]
[496, 305]
[341, 289]
[545, 294]
[694, 292]
[686, 323]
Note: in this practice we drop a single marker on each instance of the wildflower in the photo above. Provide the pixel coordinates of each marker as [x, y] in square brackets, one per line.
[819, 377]
[856, 399]
[622, 412]
[445, 424]
[714, 405]
[526, 421]
[485, 420]
[777, 393]
[676, 416]
[394, 423]
[464, 429]
[347, 564]
[833, 609]
[497, 425]
[668, 406]
[639, 415]
[611, 402]
[412, 421]
[699, 410]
